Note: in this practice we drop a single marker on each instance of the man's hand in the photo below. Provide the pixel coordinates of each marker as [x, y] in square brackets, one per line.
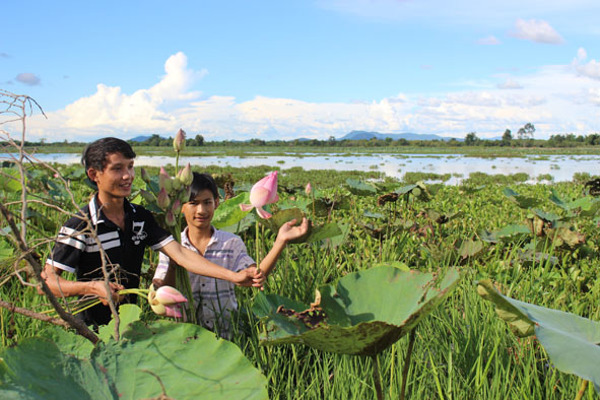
[250, 276]
[289, 230]
[99, 289]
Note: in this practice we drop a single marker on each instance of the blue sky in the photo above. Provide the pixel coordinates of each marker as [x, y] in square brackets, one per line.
[312, 69]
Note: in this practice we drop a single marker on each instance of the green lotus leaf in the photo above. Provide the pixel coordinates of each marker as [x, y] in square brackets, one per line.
[506, 233]
[360, 188]
[406, 189]
[363, 314]
[188, 360]
[470, 248]
[571, 341]
[314, 234]
[521, 201]
[229, 212]
[586, 206]
[37, 370]
[546, 216]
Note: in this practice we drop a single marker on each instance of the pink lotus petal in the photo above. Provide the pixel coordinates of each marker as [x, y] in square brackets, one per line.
[259, 196]
[172, 311]
[262, 213]
[246, 207]
[168, 295]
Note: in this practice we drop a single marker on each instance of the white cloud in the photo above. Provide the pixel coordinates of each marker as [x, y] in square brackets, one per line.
[28, 79]
[590, 70]
[144, 109]
[537, 31]
[555, 98]
[489, 41]
[509, 83]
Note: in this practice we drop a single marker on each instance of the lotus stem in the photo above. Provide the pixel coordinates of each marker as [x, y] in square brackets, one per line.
[582, 388]
[377, 377]
[256, 246]
[406, 366]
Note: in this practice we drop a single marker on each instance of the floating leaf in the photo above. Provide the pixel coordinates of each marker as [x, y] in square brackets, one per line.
[360, 188]
[572, 342]
[521, 201]
[507, 232]
[366, 311]
[470, 248]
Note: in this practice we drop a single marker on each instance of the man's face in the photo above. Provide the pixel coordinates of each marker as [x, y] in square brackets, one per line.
[116, 177]
[200, 211]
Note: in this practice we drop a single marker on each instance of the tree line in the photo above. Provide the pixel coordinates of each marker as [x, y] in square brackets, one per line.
[523, 138]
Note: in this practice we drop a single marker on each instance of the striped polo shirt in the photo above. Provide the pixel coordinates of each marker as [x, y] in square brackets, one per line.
[214, 298]
[77, 248]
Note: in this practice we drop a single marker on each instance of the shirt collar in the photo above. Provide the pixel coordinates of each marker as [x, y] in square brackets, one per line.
[185, 240]
[96, 212]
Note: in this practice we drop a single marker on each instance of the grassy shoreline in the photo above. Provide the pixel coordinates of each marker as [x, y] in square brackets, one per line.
[245, 150]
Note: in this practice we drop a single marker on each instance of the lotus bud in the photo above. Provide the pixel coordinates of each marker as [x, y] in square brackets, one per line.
[145, 175]
[168, 295]
[170, 218]
[176, 207]
[179, 141]
[176, 184]
[149, 197]
[164, 180]
[163, 199]
[185, 175]
[262, 193]
[308, 188]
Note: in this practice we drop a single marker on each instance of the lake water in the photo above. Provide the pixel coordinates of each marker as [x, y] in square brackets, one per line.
[561, 167]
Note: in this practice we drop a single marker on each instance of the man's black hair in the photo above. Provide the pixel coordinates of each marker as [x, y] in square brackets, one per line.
[94, 155]
[202, 182]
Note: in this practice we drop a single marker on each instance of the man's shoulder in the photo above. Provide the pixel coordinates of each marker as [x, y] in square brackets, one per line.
[79, 218]
[226, 236]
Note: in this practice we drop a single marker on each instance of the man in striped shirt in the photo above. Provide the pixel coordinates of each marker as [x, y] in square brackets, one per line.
[215, 298]
[109, 235]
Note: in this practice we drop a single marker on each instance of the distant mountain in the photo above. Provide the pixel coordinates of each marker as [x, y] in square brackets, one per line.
[363, 135]
[140, 138]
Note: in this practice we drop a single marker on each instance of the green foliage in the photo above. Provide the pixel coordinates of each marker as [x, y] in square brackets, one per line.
[570, 340]
[173, 359]
[349, 317]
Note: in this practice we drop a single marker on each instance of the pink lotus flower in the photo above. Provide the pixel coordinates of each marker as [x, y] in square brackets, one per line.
[168, 295]
[308, 188]
[262, 193]
[166, 300]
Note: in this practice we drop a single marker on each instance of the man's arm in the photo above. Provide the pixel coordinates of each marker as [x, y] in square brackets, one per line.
[287, 232]
[62, 287]
[199, 265]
